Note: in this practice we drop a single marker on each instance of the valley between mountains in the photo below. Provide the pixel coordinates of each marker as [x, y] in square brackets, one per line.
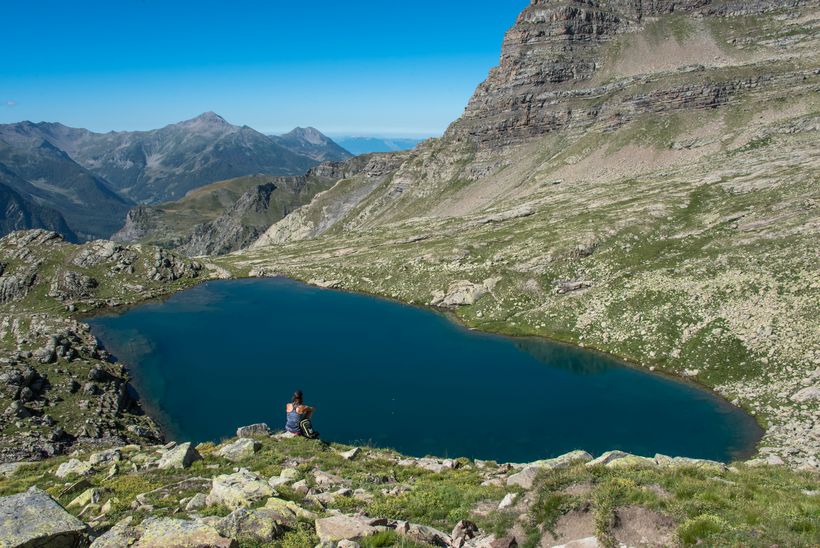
[639, 178]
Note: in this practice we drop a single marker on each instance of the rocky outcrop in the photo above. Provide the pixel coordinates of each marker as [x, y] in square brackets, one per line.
[33, 518]
[54, 366]
[553, 54]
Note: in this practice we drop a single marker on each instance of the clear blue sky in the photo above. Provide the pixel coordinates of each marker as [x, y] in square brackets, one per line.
[355, 67]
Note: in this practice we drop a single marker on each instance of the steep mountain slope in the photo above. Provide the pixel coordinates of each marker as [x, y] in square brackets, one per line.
[638, 177]
[312, 143]
[19, 213]
[43, 174]
[229, 215]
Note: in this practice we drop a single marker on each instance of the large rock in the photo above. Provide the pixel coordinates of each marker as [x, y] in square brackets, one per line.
[424, 534]
[241, 449]
[681, 462]
[260, 429]
[616, 459]
[122, 534]
[336, 528]
[239, 490]
[73, 467]
[526, 477]
[177, 533]
[463, 293]
[807, 394]
[181, 456]
[260, 525]
[33, 519]
[289, 510]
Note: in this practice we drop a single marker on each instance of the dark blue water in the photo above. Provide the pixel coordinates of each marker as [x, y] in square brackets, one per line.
[231, 353]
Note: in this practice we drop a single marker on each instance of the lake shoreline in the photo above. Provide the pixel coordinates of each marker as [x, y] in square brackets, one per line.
[461, 325]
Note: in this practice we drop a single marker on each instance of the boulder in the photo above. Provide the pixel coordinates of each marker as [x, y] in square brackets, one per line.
[324, 479]
[34, 519]
[238, 490]
[462, 293]
[73, 467]
[177, 533]
[105, 457]
[89, 496]
[526, 477]
[424, 534]
[241, 449]
[181, 456]
[289, 510]
[197, 502]
[260, 429]
[10, 468]
[122, 534]
[337, 528]
[260, 525]
[464, 531]
[351, 454]
[508, 501]
[615, 459]
[680, 462]
[807, 394]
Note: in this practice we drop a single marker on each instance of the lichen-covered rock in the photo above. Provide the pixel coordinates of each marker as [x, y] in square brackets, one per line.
[34, 519]
[123, 533]
[260, 429]
[73, 467]
[526, 477]
[807, 394]
[677, 462]
[241, 449]
[260, 525]
[463, 293]
[336, 528]
[181, 456]
[238, 490]
[615, 459]
[89, 496]
[291, 511]
[177, 533]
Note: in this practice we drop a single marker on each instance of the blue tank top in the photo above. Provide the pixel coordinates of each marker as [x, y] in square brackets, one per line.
[292, 422]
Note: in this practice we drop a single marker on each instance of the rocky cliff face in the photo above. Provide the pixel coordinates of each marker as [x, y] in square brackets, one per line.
[550, 65]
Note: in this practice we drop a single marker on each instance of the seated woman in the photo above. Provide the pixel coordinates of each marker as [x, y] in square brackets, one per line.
[296, 411]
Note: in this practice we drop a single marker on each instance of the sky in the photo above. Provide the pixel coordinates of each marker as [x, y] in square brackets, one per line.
[353, 67]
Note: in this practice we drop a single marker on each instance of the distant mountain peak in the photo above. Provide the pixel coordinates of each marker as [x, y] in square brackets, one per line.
[309, 134]
[209, 119]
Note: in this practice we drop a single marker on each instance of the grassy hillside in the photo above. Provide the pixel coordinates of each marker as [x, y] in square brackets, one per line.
[674, 231]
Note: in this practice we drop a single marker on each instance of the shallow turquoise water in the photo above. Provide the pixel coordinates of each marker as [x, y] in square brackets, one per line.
[230, 353]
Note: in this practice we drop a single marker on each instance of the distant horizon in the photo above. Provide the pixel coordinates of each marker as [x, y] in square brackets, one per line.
[363, 69]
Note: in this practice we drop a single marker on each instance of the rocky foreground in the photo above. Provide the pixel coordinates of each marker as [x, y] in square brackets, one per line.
[265, 489]
[58, 386]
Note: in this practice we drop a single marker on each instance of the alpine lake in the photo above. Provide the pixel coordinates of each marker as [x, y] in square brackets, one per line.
[231, 353]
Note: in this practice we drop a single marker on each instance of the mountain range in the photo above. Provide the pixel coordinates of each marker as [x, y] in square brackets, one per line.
[94, 179]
